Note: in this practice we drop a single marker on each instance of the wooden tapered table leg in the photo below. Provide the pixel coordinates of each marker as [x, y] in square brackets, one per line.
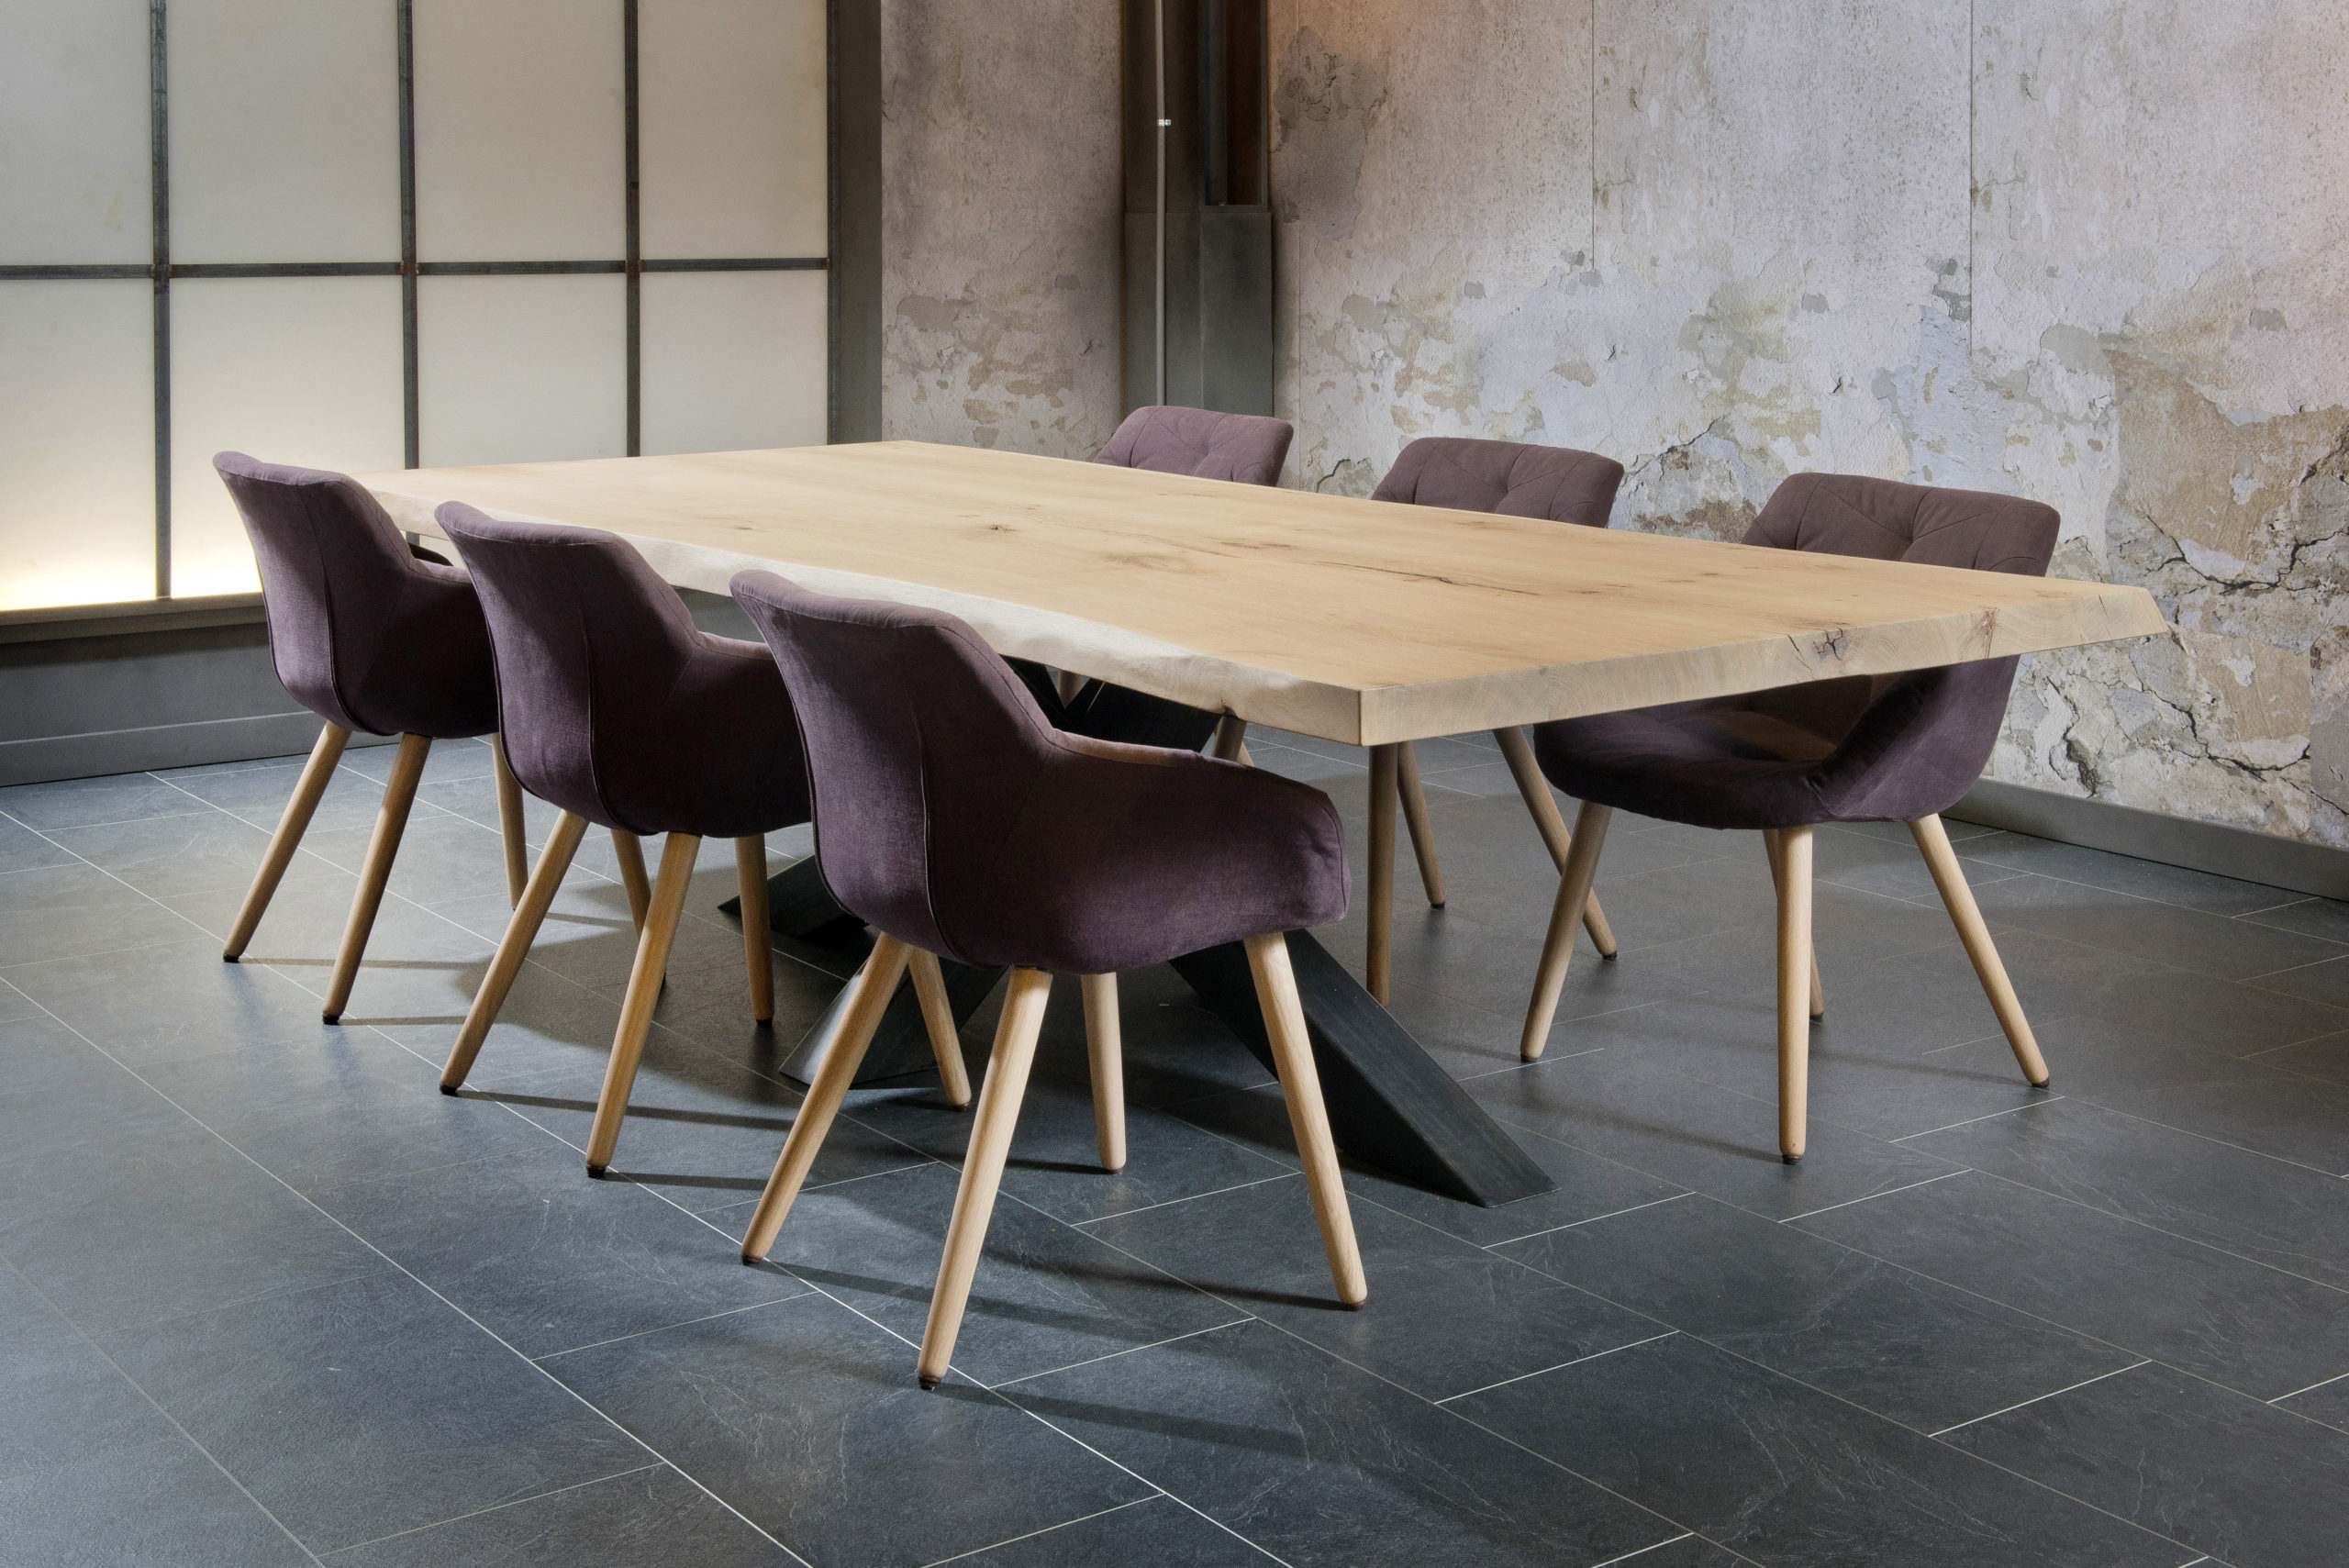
[868, 997]
[1309, 1119]
[628, 850]
[316, 774]
[966, 1234]
[758, 942]
[938, 1020]
[391, 821]
[1565, 917]
[1817, 987]
[1378, 961]
[509, 821]
[1933, 840]
[537, 896]
[1794, 991]
[1105, 1051]
[1518, 752]
[1415, 818]
[643, 991]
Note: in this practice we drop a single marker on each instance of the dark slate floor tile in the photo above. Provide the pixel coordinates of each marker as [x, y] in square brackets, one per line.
[162, 1504]
[2208, 1312]
[469, 759]
[1046, 1295]
[2168, 933]
[2285, 1216]
[2251, 1104]
[1321, 1464]
[257, 794]
[1694, 1134]
[1893, 1341]
[148, 1214]
[173, 1002]
[1688, 1551]
[79, 803]
[2325, 1057]
[2327, 1402]
[72, 885]
[368, 1407]
[60, 1401]
[702, 1132]
[441, 857]
[38, 1054]
[2249, 1484]
[1782, 1473]
[1157, 1533]
[549, 1260]
[807, 1418]
[2326, 981]
[1444, 1316]
[2123, 874]
[164, 856]
[548, 1026]
[2139, 1005]
[21, 849]
[1878, 862]
[112, 919]
[15, 1003]
[652, 1518]
[347, 1105]
[2326, 918]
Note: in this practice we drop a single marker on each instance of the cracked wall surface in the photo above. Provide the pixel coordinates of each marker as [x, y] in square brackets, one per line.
[2090, 253]
[1000, 224]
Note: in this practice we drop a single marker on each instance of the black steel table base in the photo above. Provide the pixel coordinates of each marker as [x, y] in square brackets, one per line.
[1390, 1104]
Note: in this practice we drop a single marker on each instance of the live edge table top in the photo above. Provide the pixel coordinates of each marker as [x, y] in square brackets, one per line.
[1361, 621]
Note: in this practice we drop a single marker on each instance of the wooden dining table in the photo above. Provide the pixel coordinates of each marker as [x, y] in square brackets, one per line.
[1365, 622]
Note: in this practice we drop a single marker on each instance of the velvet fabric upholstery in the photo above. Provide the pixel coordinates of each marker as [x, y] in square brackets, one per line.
[949, 815]
[1507, 478]
[613, 704]
[1884, 747]
[365, 633]
[1245, 447]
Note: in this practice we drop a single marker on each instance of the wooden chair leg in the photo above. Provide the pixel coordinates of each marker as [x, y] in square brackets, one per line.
[1231, 739]
[509, 821]
[1415, 818]
[1519, 752]
[391, 821]
[628, 850]
[872, 987]
[966, 1234]
[643, 991]
[1309, 1119]
[1933, 839]
[316, 774]
[1794, 991]
[1104, 1050]
[538, 895]
[938, 1017]
[1817, 987]
[758, 941]
[1558, 947]
[1378, 961]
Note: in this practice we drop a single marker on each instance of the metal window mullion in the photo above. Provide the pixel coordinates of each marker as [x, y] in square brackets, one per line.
[159, 198]
[411, 427]
[635, 261]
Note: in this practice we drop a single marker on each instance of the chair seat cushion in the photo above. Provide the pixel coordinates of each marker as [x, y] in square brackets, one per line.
[1710, 764]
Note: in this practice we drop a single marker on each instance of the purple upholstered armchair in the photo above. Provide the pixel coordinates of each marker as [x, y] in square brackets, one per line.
[1867, 749]
[1509, 479]
[618, 710]
[371, 636]
[951, 817]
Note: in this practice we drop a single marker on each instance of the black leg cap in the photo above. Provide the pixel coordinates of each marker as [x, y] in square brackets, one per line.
[228, 958]
[1791, 1158]
[330, 1017]
[448, 1091]
[927, 1383]
[595, 1173]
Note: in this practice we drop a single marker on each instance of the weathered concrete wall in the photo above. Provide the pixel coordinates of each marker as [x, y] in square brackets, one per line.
[1000, 220]
[2089, 253]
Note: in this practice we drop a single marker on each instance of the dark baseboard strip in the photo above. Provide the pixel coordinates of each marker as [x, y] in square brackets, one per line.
[2239, 853]
[43, 758]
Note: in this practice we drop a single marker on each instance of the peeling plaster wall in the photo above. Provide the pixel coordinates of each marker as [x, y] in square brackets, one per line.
[1001, 202]
[2090, 253]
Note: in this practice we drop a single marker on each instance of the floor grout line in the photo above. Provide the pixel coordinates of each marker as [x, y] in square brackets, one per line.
[1969, 1121]
[1611, 1214]
[2321, 1383]
[681, 1323]
[1870, 1197]
[1643, 1551]
[499, 1507]
[1013, 1541]
[1191, 1197]
[2036, 1398]
[1540, 1372]
[1113, 1355]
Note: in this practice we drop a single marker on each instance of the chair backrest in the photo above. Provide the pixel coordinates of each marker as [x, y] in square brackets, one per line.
[923, 749]
[591, 644]
[364, 633]
[1909, 744]
[1246, 447]
[1509, 478]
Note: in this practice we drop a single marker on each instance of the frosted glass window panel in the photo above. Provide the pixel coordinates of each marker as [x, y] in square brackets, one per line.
[733, 361]
[73, 139]
[284, 130]
[519, 141]
[303, 370]
[731, 134]
[521, 369]
[77, 443]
